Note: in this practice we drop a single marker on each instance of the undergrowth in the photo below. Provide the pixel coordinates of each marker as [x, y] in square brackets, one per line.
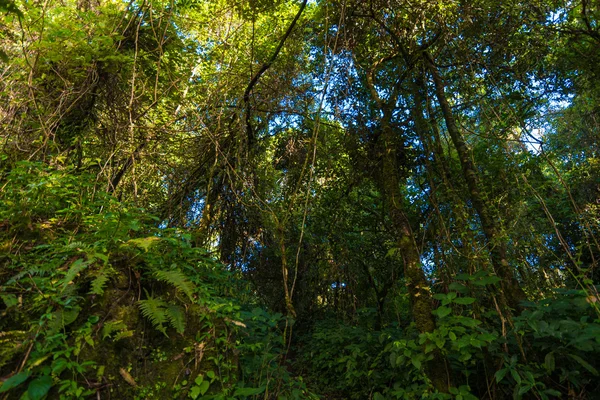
[551, 350]
[98, 299]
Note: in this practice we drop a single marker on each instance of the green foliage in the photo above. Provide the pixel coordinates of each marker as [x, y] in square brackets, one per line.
[562, 332]
[154, 309]
[347, 361]
[199, 388]
[177, 279]
[66, 297]
[391, 158]
[159, 312]
[97, 286]
[176, 317]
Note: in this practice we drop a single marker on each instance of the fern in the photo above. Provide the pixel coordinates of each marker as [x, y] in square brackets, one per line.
[119, 328]
[179, 280]
[154, 309]
[123, 334]
[9, 300]
[160, 312]
[32, 271]
[176, 318]
[111, 327]
[78, 266]
[98, 284]
[76, 245]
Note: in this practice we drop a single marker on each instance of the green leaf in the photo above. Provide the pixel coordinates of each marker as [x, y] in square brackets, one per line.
[549, 361]
[14, 381]
[584, 364]
[443, 311]
[452, 336]
[39, 387]
[464, 300]
[488, 280]
[176, 317]
[524, 389]
[553, 392]
[500, 374]
[515, 375]
[429, 347]
[9, 300]
[177, 279]
[464, 277]
[59, 365]
[144, 243]
[248, 391]
[194, 392]
[74, 270]
[70, 315]
[458, 287]
[98, 284]
[10, 7]
[204, 387]
[154, 309]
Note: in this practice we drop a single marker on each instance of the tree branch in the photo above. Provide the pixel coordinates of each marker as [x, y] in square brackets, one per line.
[263, 69]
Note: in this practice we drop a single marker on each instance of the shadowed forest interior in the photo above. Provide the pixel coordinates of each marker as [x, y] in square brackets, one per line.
[299, 199]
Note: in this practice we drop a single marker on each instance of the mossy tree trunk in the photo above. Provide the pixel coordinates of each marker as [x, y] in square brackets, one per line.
[511, 290]
[416, 283]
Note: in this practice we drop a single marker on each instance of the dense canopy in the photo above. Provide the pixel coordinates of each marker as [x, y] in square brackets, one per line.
[294, 199]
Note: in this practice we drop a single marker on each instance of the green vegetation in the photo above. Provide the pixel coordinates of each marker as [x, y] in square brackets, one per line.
[98, 298]
[250, 199]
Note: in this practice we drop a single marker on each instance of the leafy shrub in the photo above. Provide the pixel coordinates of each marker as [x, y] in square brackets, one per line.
[347, 361]
[550, 350]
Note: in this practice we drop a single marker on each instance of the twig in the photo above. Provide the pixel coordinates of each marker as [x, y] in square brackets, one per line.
[263, 69]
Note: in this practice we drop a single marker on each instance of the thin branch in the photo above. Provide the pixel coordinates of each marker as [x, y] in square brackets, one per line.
[263, 69]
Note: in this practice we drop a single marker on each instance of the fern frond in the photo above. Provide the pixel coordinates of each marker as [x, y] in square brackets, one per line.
[123, 335]
[119, 328]
[154, 309]
[76, 245]
[32, 271]
[98, 284]
[74, 270]
[111, 327]
[9, 300]
[176, 317]
[177, 279]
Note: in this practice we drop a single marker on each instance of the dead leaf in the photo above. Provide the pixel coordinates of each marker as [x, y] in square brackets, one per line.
[236, 323]
[128, 378]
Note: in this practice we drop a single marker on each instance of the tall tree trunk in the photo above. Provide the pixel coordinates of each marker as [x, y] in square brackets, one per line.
[428, 134]
[416, 282]
[497, 245]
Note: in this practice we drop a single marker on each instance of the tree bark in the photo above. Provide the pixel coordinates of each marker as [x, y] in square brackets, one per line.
[416, 283]
[511, 289]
